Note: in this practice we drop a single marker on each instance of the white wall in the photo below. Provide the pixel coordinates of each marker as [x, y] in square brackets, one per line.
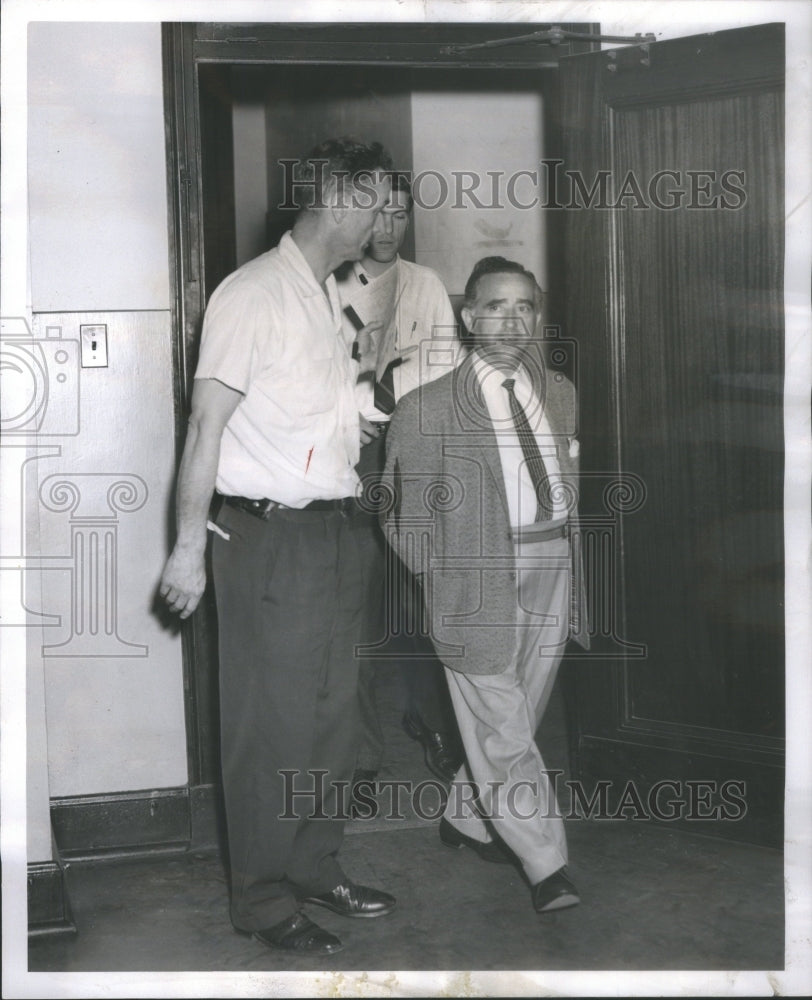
[97, 186]
[476, 132]
[250, 180]
[99, 254]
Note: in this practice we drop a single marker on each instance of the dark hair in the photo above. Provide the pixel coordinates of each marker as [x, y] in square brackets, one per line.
[400, 182]
[498, 265]
[346, 160]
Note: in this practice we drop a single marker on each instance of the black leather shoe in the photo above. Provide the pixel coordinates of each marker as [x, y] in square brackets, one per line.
[554, 893]
[299, 933]
[443, 759]
[351, 900]
[490, 851]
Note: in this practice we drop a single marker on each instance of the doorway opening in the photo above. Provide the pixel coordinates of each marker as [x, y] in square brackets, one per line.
[239, 98]
[471, 140]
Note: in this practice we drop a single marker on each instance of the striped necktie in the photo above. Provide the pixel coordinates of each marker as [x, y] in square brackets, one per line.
[384, 391]
[532, 455]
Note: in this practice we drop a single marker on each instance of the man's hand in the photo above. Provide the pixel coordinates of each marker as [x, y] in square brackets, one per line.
[368, 339]
[183, 581]
[184, 576]
[368, 430]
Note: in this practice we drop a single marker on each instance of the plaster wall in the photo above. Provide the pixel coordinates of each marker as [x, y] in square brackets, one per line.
[98, 494]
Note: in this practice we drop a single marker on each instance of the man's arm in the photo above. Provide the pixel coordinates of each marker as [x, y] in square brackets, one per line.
[413, 463]
[184, 576]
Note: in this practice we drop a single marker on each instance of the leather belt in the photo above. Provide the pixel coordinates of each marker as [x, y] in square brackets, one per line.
[538, 533]
[264, 508]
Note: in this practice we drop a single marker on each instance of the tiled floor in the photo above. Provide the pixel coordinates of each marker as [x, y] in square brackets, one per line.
[653, 898]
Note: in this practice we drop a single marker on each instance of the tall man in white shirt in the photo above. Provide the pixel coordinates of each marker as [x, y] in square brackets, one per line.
[420, 326]
[275, 429]
[482, 464]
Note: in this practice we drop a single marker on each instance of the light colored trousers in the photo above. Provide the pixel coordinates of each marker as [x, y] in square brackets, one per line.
[498, 716]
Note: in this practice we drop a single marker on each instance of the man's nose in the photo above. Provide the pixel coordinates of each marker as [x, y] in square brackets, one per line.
[515, 326]
[384, 223]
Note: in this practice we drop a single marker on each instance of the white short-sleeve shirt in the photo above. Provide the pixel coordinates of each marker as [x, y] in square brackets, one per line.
[274, 334]
[424, 322]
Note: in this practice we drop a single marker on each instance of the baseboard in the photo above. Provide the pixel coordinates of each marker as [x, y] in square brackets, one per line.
[757, 812]
[94, 828]
[130, 824]
[48, 905]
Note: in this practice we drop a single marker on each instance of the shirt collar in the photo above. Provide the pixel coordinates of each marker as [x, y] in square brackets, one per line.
[358, 270]
[484, 367]
[294, 257]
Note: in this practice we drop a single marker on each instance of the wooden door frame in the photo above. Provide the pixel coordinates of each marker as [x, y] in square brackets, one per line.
[613, 743]
[186, 46]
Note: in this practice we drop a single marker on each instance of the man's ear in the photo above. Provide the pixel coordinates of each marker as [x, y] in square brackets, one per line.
[467, 318]
[339, 213]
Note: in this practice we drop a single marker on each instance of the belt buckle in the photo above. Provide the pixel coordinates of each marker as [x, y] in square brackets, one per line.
[263, 508]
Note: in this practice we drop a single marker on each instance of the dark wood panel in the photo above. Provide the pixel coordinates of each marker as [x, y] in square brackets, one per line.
[678, 315]
[217, 173]
[184, 184]
[695, 66]
[701, 412]
[700, 793]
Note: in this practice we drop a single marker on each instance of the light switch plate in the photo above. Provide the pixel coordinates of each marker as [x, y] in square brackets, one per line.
[93, 338]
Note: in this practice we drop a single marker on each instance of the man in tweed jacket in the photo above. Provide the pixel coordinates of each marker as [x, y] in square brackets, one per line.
[497, 554]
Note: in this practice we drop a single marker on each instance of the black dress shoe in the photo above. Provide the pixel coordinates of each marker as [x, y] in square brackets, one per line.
[490, 851]
[299, 933]
[351, 900]
[554, 893]
[443, 759]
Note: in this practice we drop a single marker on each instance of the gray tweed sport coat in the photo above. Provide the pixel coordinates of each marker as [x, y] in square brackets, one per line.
[447, 517]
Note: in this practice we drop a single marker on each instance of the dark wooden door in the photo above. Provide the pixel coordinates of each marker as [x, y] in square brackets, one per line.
[672, 186]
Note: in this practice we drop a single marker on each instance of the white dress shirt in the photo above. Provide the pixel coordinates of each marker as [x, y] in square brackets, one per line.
[521, 497]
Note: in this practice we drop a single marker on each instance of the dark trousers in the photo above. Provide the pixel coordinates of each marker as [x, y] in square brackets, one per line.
[393, 636]
[289, 597]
